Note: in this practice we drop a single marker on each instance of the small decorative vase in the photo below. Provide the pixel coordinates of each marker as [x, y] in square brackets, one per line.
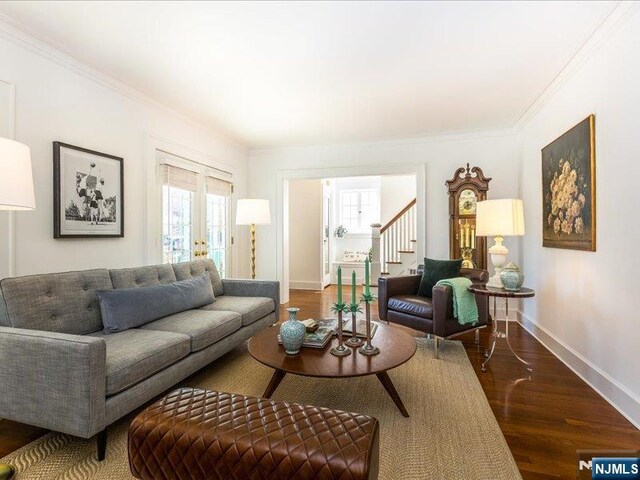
[292, 332]
[512, 278]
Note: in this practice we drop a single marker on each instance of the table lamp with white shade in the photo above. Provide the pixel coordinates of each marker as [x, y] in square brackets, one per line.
[498, 219]
[252, 212]
[16, 193]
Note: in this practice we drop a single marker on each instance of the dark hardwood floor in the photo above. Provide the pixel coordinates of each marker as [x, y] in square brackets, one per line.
[545, 417]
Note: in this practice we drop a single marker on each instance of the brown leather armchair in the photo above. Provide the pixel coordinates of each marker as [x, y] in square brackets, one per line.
[398, 302]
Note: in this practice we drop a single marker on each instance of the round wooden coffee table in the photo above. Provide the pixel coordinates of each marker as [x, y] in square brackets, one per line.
[396, 348]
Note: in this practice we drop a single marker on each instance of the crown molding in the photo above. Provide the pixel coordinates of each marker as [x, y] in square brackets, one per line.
[618, 15]
[20, 35]
[452, 136]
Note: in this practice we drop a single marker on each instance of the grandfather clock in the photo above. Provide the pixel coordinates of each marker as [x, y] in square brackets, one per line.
[467, 187]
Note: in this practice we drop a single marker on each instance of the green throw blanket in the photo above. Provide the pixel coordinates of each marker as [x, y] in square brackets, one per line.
[465, 308]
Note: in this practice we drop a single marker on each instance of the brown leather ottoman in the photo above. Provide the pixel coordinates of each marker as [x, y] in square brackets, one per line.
[200, 434]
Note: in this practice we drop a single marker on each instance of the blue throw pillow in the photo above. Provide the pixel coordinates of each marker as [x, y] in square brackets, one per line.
[127, 308]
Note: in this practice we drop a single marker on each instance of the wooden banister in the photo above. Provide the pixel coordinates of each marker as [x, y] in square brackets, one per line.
[398, 215]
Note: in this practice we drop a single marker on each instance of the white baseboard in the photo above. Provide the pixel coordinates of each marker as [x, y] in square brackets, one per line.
[305, 285]
[620, 398]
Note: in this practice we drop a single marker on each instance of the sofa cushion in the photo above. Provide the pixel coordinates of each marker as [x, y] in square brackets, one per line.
[55, 302]
[142, 276]
[251, 308]
[412, 304]
[127, 308]
[187, 270]
[203, 327]
[136, 354]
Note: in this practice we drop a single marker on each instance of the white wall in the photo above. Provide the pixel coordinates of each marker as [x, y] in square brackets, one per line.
[396, 191]
[305, 215]
[54, 102]
[497, 154]
[585, 308]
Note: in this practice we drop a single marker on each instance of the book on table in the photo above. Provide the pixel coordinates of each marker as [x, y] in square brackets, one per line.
[361, 326]
[317, 339]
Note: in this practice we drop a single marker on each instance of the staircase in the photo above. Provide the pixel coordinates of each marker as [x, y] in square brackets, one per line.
[394, 244]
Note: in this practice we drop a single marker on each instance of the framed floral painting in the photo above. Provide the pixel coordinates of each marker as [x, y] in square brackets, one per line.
[569, 189]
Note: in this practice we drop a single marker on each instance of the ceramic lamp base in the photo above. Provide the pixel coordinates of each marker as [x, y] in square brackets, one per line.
[340, 351]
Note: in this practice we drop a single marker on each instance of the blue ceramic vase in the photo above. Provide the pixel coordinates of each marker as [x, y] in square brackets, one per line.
[292, 332]
[512, 277]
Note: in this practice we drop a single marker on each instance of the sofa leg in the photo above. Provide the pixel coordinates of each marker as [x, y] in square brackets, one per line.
[101, 441]
[437, 344]
[477, 337]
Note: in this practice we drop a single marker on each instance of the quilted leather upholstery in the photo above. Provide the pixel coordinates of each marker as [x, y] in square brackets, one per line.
[199, 434]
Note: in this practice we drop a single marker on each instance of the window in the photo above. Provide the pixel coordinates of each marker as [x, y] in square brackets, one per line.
[359, 209]
[177, 225]
[195, 217]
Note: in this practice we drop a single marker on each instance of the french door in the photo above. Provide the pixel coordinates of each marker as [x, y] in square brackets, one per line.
[195, 217]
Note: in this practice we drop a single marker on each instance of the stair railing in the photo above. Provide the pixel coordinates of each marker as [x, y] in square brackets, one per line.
[396, 237]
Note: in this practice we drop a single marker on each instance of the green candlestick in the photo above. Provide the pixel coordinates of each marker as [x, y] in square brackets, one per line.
[366, 277]
[339, 285]
[353, 288]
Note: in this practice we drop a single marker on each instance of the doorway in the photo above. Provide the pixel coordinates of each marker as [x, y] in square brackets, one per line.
[330, 224]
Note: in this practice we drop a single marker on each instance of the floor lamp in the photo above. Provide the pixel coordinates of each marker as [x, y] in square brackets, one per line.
[16, 193]
[252, 212]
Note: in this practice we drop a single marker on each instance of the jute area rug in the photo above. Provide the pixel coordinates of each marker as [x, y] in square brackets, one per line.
[451, 434]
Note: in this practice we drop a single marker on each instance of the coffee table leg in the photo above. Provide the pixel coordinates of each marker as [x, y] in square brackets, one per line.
[393, 393]
[277, 377]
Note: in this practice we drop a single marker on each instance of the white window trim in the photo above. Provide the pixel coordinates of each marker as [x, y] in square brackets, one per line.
[362, 229]
[188, 158]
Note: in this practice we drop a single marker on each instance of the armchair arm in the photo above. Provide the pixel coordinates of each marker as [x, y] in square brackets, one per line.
[391, 286]
[53, 380]
[253, 288]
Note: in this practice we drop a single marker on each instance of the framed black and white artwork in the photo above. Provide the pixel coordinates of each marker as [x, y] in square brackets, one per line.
[88, 193]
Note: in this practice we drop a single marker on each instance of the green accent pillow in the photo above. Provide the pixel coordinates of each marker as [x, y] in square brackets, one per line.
[436, 270]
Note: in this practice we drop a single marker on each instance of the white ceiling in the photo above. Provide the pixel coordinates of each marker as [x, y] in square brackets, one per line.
[280, 73]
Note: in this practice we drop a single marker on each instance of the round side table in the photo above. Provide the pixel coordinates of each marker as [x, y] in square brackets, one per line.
[495, 334]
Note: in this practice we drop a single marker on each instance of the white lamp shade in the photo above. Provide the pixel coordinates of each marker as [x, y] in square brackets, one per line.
[253, 211]
[16, 179]
[504, 217]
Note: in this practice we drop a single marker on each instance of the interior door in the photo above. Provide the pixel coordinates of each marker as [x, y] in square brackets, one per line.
[326, 233]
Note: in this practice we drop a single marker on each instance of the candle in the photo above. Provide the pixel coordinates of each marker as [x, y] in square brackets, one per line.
[353, 287]
[366, 277]
[339, 284]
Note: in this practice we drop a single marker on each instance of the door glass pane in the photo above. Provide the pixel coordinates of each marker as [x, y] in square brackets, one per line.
[218, 231]
[177, 225]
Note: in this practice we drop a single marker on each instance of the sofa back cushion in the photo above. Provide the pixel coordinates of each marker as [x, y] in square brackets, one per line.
[187, 270]
[142, 276]
[55, 302]
[127, 308]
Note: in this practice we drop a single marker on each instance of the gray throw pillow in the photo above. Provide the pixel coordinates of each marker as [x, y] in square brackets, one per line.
[127, 308]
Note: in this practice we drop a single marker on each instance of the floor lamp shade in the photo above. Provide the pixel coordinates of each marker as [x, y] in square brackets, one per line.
[253, 211]
[498, 219]
[16, 178]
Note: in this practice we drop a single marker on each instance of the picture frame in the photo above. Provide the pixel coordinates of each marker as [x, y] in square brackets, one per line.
[88, 193]
[569, 189]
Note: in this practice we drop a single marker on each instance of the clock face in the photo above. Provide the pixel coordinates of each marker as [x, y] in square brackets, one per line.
[467, 202]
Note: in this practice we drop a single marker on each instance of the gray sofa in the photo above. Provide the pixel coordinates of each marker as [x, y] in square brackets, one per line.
[59, 371]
